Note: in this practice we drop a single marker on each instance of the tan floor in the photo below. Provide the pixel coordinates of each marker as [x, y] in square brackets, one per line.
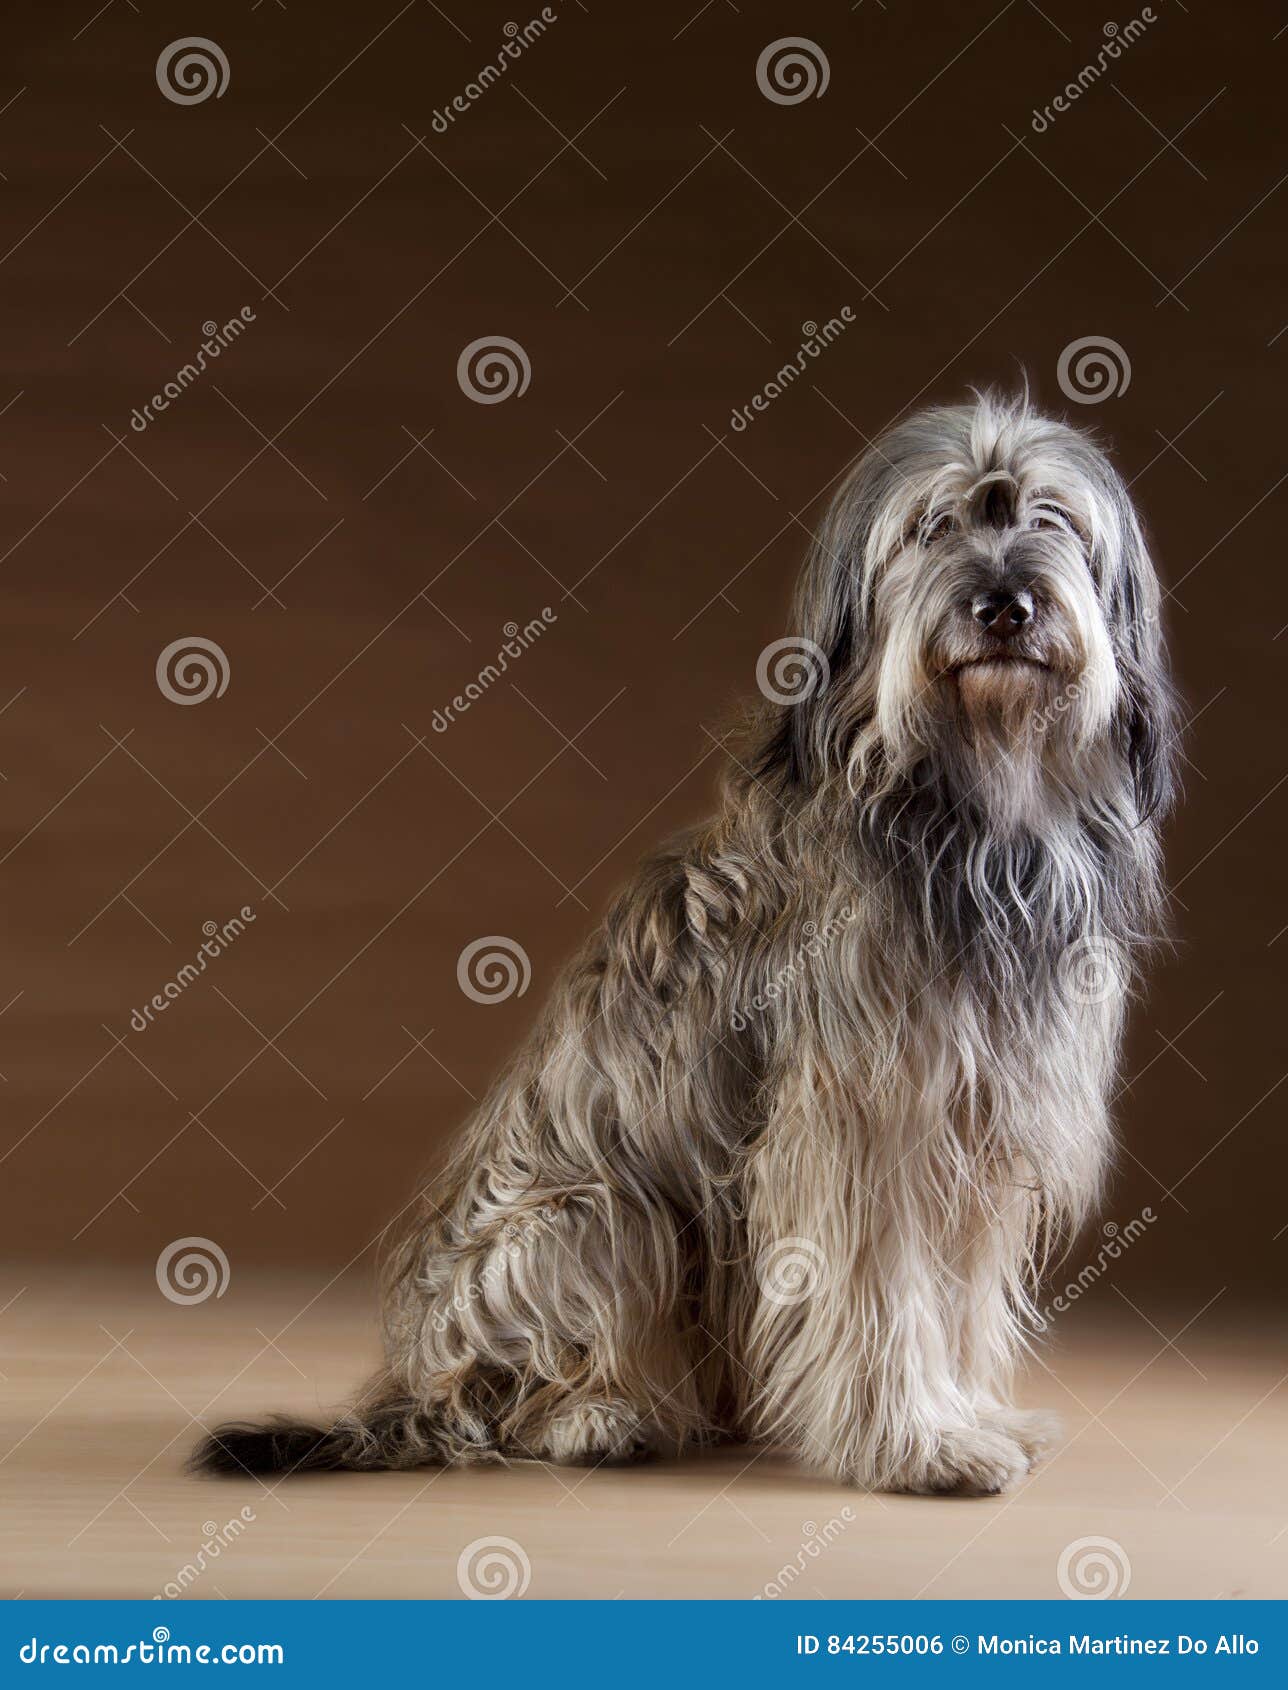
[1179, 1459]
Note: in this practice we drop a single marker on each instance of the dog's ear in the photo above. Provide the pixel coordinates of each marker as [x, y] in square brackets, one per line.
[1146, 717]
[832, 627]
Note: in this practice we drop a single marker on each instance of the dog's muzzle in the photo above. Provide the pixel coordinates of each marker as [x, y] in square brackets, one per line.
[1003, 614]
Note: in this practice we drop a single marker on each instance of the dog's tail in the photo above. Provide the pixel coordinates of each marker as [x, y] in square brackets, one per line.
[391, 1433]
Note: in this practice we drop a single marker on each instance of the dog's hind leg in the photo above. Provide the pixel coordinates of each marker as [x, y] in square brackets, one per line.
[573, 1313]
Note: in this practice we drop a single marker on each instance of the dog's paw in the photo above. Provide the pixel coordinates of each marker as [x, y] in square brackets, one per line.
[600, 1433]
[1035, 1429]
[966, 1461]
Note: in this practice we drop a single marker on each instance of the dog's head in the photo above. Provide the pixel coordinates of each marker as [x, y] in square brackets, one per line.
[980, 598]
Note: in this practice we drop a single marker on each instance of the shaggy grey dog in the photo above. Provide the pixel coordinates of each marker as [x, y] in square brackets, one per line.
[785, 1153]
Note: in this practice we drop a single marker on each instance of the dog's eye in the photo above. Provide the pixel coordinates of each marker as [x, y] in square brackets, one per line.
[935, 528]
[1060, 522]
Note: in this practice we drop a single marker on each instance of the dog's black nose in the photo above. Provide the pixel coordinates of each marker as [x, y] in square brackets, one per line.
[1002, 613]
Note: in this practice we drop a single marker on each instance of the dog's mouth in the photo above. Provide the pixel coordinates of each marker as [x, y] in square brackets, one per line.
[998, 660]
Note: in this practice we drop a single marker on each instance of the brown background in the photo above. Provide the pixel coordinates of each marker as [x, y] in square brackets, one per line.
[654, 232]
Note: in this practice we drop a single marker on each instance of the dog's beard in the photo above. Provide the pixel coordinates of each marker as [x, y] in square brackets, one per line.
[1002, 720]
[1008, 694]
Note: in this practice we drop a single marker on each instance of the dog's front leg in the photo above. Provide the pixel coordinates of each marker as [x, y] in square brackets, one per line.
[862, 1350]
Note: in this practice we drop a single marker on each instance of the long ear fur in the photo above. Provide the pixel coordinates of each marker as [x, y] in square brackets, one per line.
[1146, 727]
[832, 610]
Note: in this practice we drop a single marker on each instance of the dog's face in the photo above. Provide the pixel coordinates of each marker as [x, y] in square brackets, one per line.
[983, 595]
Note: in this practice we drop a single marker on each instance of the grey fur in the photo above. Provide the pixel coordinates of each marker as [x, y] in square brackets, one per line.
[785, 1152]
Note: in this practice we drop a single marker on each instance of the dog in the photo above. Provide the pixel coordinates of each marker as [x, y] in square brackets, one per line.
[785, 1155]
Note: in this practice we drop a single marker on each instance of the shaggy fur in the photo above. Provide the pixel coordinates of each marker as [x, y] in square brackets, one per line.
[783, 1156]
